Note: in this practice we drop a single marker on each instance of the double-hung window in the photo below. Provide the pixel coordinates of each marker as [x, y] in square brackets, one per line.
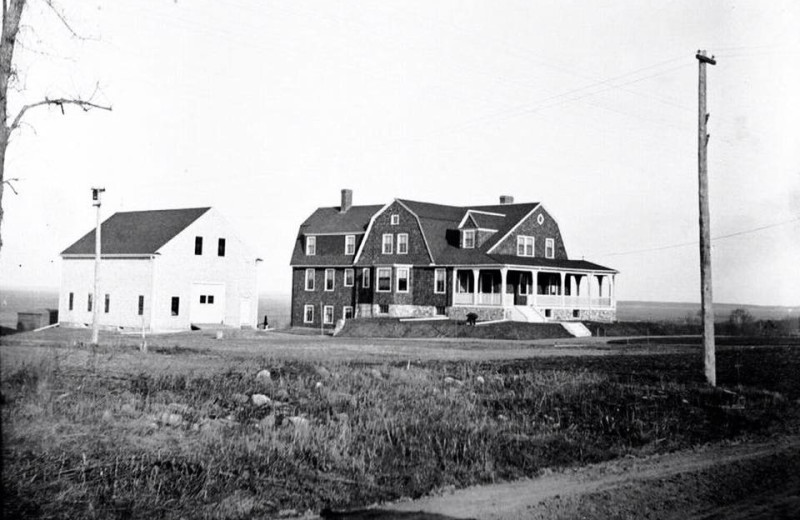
[365, 278]
[468, 239]
[350, 244]
[349, 274]
[308, 314]
[402, 243]
[327, 315]
[524, 246]
[388, 244]
[310, 275]
[311, 246]
[402, 279]
[395, 220]
[384, 275]
[439, 280]
[330, 278]
[549, 248]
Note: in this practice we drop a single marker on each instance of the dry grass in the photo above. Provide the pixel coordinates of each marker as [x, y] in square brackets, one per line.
[175, 433]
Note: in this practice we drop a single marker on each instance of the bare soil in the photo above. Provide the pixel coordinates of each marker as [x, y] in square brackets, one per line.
[742, 481]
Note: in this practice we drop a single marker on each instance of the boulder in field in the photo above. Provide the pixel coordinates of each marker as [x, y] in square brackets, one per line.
[260, 399]
[264, 375]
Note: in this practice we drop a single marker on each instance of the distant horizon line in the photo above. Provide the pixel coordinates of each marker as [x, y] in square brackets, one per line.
[47, 288]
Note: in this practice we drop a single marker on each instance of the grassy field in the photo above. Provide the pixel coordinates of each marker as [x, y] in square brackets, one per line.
[195, 429]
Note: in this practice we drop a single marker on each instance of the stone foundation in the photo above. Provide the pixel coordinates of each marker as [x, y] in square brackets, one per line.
[603, 315]
[396, 311]
[484, 313]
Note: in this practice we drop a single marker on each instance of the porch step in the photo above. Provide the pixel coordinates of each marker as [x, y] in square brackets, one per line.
[576, 328]
[525, 314]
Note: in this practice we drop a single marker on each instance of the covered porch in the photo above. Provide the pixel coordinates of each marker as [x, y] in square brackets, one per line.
[538, 288]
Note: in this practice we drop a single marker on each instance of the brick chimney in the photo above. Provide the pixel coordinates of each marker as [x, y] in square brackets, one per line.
[347, 201]
[506, 199]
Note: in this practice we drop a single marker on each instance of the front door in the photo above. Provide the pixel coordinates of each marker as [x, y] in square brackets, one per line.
[208, 303]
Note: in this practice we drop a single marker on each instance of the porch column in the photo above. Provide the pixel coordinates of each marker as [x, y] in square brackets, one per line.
[589, 287]
[534, 288]
[612, 289]
[475, 279]
[503, 275]
[563, 291]
[455, 287]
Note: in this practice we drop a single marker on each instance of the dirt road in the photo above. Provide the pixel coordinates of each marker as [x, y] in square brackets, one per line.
[746, 481]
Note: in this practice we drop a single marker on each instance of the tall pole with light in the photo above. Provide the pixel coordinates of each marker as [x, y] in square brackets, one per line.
[96, 195]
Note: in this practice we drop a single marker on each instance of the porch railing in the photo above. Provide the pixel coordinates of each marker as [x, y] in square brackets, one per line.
[483, 299]
[541, 300]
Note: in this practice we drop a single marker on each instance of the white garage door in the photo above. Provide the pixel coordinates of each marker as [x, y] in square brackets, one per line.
[208, 303]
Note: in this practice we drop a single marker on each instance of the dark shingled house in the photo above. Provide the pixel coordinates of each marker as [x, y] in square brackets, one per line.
[417, 259]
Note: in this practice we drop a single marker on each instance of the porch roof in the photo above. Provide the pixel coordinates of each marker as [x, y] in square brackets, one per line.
[543, 263]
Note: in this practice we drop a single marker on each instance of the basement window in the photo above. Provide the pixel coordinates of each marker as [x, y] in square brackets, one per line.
[383, 308]
[576, 313]
[440, 310]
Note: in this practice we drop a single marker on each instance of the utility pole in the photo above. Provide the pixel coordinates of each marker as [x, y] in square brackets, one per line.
[706, 299]
[96, 193]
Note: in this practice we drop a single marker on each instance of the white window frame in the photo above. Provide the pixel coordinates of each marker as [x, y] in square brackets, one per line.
[327, 311]
[400, 242]
[344, 312]
[349, 273]
[332, 278]
[523, 241]
[313, 285]
[306, 308]
[349, 245]
[378, 279]
[523, 285]
[549, 247]
[365, 274]
[311, 246]
[395, 219]
[387, 240]
[468, 233]
[439, 274]
[407, 271]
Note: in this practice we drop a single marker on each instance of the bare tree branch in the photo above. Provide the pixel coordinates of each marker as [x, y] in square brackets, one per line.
[60, 102]
[63, 19]
[10, 185]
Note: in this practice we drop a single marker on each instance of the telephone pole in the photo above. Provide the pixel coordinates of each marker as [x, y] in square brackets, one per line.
[96, 193]
[706, 299]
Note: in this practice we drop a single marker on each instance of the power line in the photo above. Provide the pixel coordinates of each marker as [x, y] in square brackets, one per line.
[695, 242]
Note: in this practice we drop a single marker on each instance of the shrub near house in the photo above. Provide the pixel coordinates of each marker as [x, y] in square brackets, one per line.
[415, 259]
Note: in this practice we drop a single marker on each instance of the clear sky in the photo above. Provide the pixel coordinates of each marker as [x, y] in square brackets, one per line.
[267, 109]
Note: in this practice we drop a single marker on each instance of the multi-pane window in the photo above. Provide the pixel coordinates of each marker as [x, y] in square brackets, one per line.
[198, 245]
[311, 246]
[308, 314]
[388, 244]
[71, 300]
[439, 277]
[350, 244]
[549, 248]
[395, 219]
[524, 246]
[89, 303]
[468, 238]
[402, 279]
[349, 275]
[107, 303]
[330, 275]
[221, 247]
[347, 312]
[310, 279]
[327, 315]
[140, 309]
[365, 277]
[402, 243]
[384, 279]
[175, 307]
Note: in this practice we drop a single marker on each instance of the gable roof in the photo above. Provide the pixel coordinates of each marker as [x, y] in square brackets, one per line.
[137, 232]
[331, 220]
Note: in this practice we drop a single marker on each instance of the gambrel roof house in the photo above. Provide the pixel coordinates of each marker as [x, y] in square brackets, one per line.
[161, 270]
[409, 258]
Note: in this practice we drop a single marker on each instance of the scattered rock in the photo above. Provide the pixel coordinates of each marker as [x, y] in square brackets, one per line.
[318, 385]
[323, 373]
[260, 399]
[480, 380]
[374, 372]
[452, 381]
[267, 423]
[282, 394]
[299, 423]
[264, 375]
[128, 409]
[220, 335]
[239, 398]
[284, 513]
[170, 419]
[107, 415]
